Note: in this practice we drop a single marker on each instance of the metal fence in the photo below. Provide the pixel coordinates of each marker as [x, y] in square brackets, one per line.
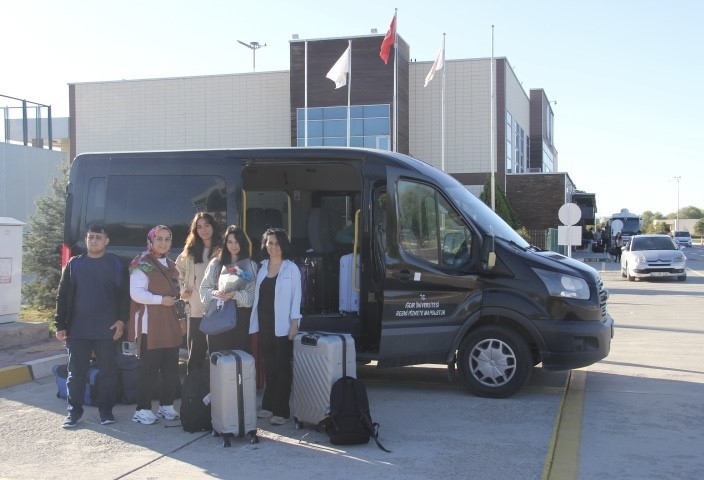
[25, 122]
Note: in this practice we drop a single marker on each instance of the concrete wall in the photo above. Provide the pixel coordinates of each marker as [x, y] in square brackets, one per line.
[25, 173]
[467, 112]
[219, 111]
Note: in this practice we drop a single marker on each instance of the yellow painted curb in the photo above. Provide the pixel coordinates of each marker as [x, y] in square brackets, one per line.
[10, 376]
[562, 460]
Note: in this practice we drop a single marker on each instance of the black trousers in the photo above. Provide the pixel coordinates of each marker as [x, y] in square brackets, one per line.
[159, 367]
[236, 339]
[197, 344]
[276, 356]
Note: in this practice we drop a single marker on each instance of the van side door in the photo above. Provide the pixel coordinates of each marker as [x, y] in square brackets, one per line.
[429, 287]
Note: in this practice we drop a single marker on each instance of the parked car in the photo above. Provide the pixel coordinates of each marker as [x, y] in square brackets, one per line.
[653, 255]
[683, 238]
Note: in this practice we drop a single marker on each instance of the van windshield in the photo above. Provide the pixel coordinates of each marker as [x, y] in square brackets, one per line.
[482, 216]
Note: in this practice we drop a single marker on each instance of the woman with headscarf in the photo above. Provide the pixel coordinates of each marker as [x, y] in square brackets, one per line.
[154, 326]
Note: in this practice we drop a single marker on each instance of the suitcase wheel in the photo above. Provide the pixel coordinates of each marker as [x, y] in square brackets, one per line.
[253, 437]
[226, 440]
[297, 423]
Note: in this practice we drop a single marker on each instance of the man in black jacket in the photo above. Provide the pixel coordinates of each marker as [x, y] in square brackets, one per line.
[92, 306]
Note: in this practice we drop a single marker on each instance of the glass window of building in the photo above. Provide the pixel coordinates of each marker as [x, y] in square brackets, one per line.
[370, 126]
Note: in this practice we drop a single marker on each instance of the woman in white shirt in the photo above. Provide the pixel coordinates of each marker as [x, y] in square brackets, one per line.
[154, 326]
[275, 315]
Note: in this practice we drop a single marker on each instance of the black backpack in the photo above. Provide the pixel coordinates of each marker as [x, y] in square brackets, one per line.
[195, 414]
[349, 421]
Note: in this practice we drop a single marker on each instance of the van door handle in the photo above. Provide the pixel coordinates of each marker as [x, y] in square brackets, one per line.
[403, 275]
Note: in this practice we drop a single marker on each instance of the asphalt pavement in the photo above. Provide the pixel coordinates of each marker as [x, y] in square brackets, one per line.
[635, 415]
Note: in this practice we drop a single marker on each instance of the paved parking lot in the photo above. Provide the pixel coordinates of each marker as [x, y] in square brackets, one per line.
[637, 414]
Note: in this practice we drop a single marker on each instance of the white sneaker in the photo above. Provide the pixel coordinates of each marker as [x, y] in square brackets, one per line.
[264, 413]
[144, 416]
[167, 412]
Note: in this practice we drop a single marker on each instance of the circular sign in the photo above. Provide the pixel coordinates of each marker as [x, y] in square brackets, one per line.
[569, 214]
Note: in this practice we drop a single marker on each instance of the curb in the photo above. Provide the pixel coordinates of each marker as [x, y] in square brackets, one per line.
[32, 370]
[10, 376]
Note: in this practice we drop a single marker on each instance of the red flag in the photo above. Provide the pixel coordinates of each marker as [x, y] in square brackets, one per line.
[389, 39]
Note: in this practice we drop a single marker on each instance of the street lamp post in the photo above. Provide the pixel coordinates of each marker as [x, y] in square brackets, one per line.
[254, 46]
[677, 219]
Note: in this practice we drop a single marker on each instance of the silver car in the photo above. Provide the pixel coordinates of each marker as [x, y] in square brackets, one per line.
[648, 256]
[683, 238]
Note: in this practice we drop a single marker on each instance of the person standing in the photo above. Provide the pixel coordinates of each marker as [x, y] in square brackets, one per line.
[618, 246]
[202, 244]
[91, 309]
[154, 326]
[234, 255]
[275, 315]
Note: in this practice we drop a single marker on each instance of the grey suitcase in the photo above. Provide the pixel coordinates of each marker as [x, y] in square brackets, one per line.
[349, 284]
[233, 395]
[319, 359]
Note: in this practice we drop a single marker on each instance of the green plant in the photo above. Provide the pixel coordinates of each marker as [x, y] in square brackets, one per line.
[503, 207]
[42, 244]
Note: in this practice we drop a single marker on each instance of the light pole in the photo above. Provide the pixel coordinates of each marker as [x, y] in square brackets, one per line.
[254, 46]
[677, 219]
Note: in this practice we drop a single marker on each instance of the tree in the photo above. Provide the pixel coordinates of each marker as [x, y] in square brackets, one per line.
[503, 207]
[699, 230]
[42, 244]
[691, 212]
[648, 222]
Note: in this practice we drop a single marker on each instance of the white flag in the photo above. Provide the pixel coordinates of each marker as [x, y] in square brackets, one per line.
[438, 64]
[338, 72]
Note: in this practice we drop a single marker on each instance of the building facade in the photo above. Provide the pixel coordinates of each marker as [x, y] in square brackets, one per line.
[302, 107]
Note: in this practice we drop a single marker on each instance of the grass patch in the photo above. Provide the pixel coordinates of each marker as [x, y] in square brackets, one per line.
[37, 314]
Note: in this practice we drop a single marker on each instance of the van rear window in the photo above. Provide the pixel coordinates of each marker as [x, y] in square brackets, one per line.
[135, 203]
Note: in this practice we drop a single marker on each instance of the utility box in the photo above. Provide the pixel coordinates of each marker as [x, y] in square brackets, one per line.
[10, 269]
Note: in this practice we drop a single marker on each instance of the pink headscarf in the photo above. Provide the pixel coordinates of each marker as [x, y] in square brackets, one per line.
[150, 240]
[141, 261]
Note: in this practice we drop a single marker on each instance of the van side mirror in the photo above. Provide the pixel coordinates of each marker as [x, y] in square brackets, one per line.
[488, 258]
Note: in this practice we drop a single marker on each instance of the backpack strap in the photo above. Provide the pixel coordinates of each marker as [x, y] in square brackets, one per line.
[372, 427]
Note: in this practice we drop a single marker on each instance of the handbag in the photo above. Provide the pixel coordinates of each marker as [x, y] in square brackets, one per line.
[219, 317]
[181, 309]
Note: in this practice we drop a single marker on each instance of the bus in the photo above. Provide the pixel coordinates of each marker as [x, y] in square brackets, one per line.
[625, 222]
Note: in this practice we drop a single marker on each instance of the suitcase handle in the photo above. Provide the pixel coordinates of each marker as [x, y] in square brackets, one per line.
[310, 339]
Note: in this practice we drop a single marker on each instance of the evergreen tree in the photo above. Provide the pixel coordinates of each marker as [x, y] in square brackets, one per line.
[503, 207]
[699, 230]
[42, 244]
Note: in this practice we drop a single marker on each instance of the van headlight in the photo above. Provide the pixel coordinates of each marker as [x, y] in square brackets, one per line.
[561, 285]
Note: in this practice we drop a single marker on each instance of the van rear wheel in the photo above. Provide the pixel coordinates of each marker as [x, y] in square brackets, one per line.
[494, 362]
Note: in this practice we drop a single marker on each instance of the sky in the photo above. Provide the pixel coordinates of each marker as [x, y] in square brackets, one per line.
[625, 75]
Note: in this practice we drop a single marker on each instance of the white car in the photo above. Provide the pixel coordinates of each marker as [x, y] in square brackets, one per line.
[650, 256]
[683, 238]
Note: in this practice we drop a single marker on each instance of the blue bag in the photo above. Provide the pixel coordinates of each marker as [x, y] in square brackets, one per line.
[219, 317]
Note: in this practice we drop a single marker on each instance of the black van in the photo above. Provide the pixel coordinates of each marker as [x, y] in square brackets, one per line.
[440, 277]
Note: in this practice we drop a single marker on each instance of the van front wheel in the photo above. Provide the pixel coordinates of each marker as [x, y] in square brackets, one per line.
[494, 362]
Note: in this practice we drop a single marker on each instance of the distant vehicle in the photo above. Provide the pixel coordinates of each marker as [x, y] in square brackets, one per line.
[625, 222]
[653, 255]
[683, 238]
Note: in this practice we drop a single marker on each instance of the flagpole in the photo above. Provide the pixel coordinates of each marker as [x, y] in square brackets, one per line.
[305, 96]
[394, 147]
[442, 121]
[349, 88]
[491, 119]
